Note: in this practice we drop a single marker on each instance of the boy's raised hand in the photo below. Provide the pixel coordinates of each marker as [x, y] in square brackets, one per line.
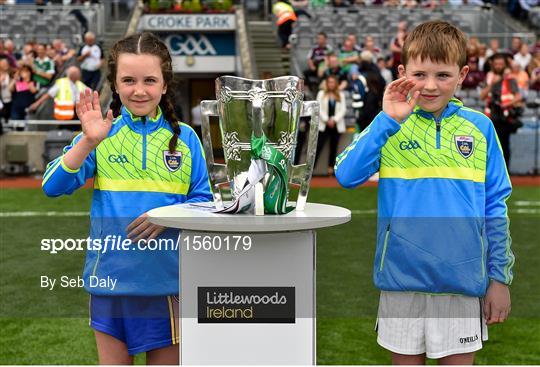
[94, 127]
[496, 303]
[395, 100]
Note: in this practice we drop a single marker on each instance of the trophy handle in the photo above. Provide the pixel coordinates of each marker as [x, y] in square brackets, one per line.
[217, 172]
[301, 174]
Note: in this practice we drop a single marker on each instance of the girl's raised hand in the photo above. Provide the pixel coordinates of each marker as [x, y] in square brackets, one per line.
[395, 100]
[94, 127]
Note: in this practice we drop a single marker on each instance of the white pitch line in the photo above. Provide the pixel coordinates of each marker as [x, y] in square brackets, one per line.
[85, 214]
[364, 211]
[525, 211]
[526, 203]
[43, 214]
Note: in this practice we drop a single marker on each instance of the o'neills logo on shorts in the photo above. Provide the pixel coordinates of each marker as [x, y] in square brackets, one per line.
[246, 305]
[468, 339]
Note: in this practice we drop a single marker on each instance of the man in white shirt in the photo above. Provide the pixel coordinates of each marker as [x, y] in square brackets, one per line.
[91, 59]
[523, 57]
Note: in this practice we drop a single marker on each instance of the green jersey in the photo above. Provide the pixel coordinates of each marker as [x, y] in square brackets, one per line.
[45, 65]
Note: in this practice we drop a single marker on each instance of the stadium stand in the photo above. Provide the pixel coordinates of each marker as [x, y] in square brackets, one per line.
[480, 22]
[380, 23]
[22, 23]
[261, 56]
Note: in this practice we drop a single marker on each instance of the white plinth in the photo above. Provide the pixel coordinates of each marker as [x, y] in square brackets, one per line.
[188, 217]
[280, 259]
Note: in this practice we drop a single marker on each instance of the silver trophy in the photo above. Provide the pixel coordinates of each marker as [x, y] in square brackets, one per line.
[246, 107]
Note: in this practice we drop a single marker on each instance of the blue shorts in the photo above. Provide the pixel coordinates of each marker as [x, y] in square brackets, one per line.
[142, 323]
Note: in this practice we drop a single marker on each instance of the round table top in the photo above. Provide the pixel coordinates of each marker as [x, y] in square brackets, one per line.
[198, 217]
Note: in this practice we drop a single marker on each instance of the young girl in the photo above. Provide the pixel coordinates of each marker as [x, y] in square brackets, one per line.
[332, 122]
[23, 91]
[142, 160]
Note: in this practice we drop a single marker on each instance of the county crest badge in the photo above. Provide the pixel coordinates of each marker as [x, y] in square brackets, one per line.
[172, 161]
[464, 145]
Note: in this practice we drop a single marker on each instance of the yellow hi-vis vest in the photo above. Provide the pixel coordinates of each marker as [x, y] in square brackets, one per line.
[283, 12]
[64, 105]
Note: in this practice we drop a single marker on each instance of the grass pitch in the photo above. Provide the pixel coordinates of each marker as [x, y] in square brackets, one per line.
[34, 330]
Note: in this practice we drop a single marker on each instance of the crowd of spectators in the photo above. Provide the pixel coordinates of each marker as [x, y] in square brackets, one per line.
[523, 64]
[188, 6]
[26, 74]
[363, 70]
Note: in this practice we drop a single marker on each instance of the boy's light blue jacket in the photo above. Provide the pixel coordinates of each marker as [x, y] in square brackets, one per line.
[442, 216]
[134, 172]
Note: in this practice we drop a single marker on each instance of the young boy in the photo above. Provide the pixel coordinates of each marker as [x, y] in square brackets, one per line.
[442, 242]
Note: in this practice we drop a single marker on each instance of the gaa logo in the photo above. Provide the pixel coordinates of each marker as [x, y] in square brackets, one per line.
[190, 45]
[408, 145]
[120, 158]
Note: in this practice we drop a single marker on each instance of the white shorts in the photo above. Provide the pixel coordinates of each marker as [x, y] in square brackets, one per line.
[438, 325]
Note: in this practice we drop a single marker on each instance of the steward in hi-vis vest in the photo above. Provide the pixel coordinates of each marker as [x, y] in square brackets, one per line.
[284, 12]
[286, 16]
[65, 92]
[64, 101]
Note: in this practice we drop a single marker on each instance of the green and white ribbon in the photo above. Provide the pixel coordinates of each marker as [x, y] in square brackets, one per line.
[264, 159]
[277, 190]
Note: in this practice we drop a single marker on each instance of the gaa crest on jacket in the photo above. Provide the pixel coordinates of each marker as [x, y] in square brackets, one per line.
[464, 145]
[172, 161]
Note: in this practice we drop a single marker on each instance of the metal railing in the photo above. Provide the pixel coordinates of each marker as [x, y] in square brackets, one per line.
[247, 58]
[37, 125]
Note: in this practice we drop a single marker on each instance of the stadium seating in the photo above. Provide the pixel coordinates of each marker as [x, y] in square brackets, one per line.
[22, 26]
[22, 23]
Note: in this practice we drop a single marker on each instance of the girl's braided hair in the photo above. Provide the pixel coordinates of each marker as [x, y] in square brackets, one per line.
[146, 43]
